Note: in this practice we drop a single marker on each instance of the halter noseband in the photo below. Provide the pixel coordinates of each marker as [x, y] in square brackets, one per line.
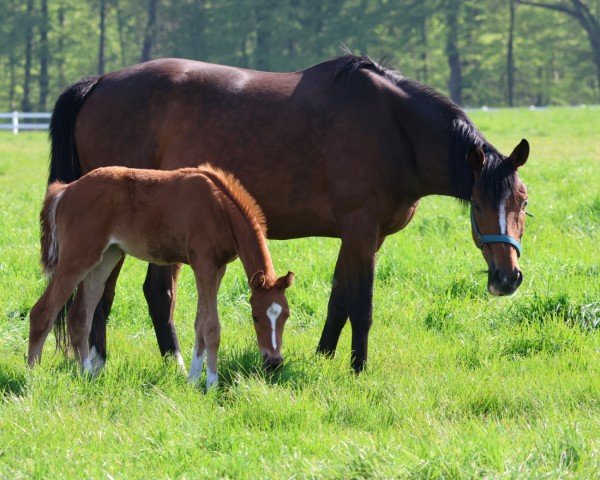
[481, 240]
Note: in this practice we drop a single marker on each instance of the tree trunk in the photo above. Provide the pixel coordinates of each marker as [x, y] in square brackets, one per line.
[424, 47]
[263, 37]
[13, 81]
[44, 56]
[102, 37]
[61, 47]
[590, 23]
[452, 51]
[25, 103]
[150, 32]
[121, 35]
[510, 62]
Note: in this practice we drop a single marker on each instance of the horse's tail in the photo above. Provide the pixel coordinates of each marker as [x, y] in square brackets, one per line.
[64, 167]
[64, 161]
[49, 240]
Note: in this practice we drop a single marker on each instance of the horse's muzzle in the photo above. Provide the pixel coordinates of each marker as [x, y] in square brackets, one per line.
[503, 283]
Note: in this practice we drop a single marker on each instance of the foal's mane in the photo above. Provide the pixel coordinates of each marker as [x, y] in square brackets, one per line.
[497, 175]
[236, 192]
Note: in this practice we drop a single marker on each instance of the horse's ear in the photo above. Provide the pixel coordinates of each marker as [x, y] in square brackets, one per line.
[520, 154]
[258, 280]
[286, 281]
[475, 158]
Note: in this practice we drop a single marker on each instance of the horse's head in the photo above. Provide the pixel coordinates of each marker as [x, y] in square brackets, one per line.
[498, 214]
[270, 311]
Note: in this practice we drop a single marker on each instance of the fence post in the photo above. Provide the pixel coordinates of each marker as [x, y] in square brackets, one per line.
[15, 122]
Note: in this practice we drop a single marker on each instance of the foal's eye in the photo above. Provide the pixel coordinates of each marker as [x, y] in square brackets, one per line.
[524, 204]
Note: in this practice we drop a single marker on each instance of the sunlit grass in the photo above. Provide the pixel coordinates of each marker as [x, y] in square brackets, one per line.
[459, 384]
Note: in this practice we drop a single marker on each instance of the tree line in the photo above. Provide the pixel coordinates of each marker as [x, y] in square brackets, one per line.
[480, 52]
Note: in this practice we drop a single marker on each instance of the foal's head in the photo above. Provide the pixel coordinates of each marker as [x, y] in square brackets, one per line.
[270, 311]
[498, 214]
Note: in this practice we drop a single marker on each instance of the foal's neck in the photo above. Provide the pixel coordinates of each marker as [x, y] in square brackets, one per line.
[250, 242]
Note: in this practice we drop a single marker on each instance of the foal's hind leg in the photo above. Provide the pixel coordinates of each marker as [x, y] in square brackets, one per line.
[97, 339]
[81, 312]
[44, 312]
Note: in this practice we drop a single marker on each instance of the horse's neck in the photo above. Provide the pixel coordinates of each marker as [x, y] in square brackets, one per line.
[250, 242]
[433, 165]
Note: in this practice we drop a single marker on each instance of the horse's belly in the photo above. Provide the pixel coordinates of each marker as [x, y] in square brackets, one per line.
[400, 219]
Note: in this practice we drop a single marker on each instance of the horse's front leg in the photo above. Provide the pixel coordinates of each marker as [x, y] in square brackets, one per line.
[160, 292]
[337, 311]
[360, 241]
[207, 326]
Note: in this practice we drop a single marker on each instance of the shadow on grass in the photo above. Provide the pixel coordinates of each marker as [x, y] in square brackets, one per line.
[542, 308]
[12, 383]
[246, 362]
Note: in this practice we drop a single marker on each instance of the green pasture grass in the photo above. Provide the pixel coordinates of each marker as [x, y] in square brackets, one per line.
[459, 384]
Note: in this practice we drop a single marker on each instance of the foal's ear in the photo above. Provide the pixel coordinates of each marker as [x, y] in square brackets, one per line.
[258, 280]
[286, 281]
[520, 154]
[475, 158]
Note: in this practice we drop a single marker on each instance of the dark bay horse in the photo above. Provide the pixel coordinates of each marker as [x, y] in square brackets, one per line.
[343, 149]
[199, 216]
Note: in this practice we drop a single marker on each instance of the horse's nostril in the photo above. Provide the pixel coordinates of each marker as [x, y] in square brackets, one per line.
[497, 276]
[519, 279]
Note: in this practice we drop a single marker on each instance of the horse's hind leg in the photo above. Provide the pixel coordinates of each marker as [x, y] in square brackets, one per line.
[97, 340]
[160, 290]
[81, 312]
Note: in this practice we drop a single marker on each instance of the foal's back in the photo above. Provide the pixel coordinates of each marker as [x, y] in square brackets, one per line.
[149, 214]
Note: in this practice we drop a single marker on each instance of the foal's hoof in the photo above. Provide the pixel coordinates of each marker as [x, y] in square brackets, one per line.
[212, 380]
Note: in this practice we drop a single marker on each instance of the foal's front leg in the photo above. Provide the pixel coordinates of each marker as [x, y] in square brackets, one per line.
[207, 326]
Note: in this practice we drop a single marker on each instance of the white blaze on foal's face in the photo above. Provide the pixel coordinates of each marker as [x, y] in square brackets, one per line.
[273, 313]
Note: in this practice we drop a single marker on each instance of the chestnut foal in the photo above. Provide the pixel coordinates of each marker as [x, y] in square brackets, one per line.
[199, 216]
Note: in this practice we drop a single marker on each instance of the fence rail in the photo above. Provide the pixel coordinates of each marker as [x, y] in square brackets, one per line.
[15, 124]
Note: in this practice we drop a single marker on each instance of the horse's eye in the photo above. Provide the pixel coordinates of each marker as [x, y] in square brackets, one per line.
[254, 318]
[477, 207]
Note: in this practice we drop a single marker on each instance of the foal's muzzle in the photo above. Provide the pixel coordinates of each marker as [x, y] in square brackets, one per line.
[271, 363]
[501, 282]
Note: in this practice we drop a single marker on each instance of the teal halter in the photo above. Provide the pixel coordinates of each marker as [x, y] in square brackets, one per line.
[481, 240]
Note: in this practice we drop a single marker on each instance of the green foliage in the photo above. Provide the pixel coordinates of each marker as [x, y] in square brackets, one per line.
[553, 57]
[459, 384]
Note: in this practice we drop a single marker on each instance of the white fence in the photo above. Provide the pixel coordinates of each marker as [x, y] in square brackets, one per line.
[15, 124]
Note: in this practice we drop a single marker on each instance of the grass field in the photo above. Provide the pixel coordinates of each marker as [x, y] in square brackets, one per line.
[459, 384]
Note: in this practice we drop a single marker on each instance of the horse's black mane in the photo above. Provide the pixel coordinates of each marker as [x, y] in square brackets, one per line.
[497, 174]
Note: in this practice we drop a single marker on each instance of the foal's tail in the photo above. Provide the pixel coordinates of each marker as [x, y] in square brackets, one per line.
[64, 161]
[50, 248]
[49, 241]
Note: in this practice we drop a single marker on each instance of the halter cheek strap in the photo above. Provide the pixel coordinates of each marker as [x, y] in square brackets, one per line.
[483, 239]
